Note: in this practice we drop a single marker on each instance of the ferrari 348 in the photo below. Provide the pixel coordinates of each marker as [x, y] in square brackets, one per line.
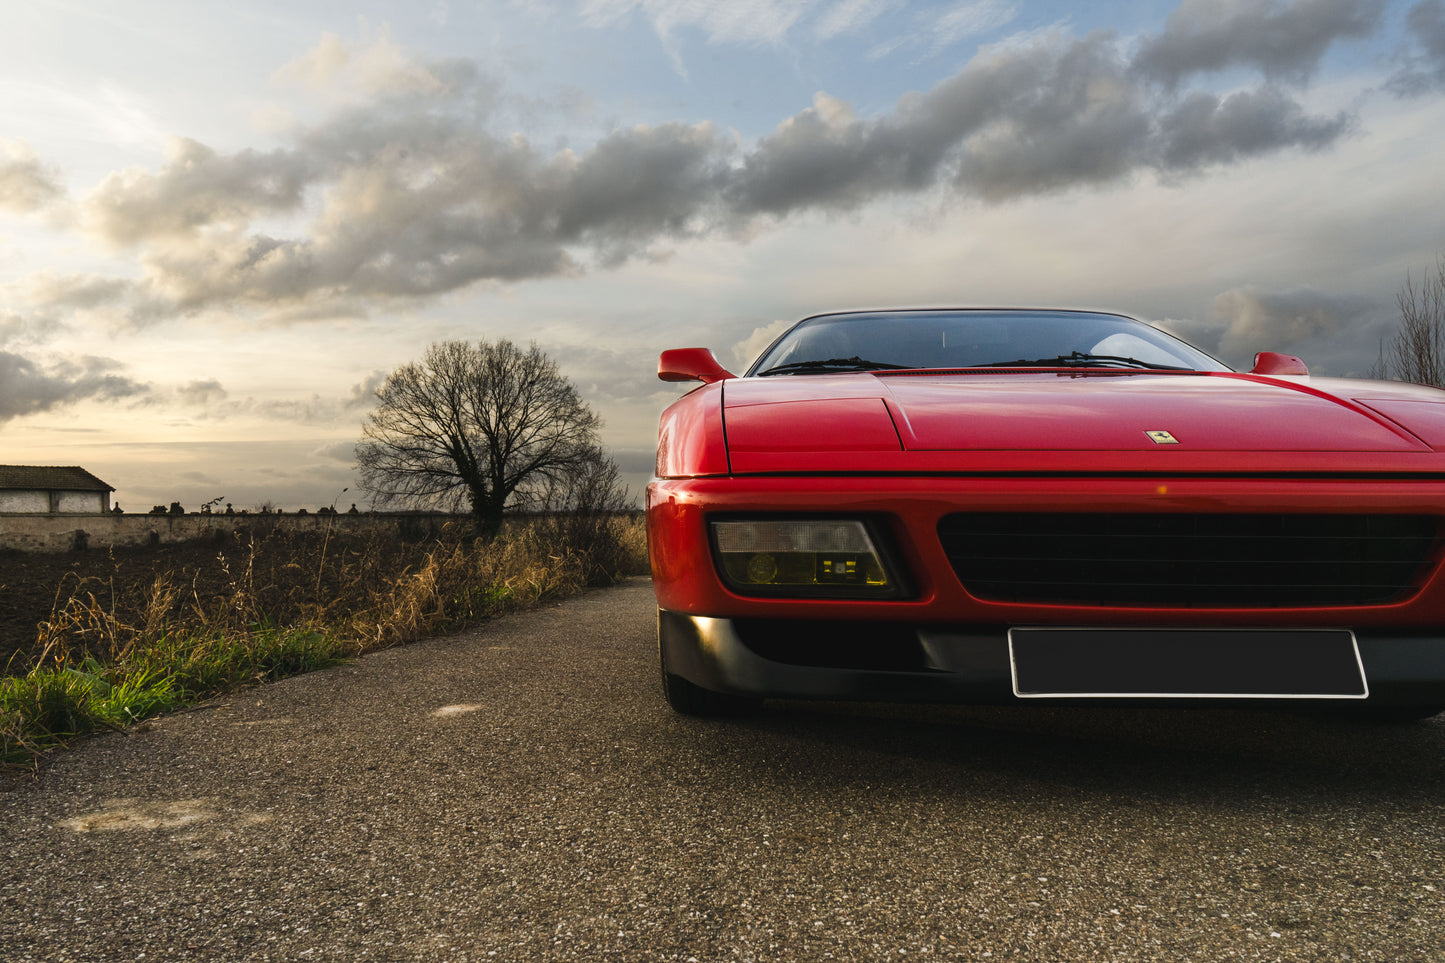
[992, 505]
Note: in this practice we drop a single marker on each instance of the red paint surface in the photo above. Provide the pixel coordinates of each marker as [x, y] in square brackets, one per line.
[690, 437]
[1045, 440]
[910, 508]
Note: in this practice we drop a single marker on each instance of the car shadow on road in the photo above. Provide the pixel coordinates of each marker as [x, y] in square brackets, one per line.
[1169, 751]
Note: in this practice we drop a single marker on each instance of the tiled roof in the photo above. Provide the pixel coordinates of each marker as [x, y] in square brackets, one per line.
[31, 478]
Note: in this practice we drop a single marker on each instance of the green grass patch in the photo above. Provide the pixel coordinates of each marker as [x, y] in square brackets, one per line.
[51, 704]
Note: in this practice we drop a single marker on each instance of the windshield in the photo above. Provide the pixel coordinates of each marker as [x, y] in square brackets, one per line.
[975, 338]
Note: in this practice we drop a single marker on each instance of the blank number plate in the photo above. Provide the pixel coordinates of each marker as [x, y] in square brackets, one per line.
[1186, 663]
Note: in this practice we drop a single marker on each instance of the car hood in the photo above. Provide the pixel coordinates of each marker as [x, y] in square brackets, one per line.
[1136, 419]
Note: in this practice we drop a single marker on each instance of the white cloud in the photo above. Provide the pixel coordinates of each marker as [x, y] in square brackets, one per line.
[747, 22]
[968, 19]
[851, 16]
[26, 183]
[746, 351]
[1285, 39]
[933, 30]
[353, 71]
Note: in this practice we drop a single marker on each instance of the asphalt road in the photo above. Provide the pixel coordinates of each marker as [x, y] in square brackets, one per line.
[522, 793]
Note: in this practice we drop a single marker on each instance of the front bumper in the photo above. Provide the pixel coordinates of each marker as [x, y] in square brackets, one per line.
[906, 662]
[908, 510]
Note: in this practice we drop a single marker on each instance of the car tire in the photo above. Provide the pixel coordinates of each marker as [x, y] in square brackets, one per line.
[694, 700]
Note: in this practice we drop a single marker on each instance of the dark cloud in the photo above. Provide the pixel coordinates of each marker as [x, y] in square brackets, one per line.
[434, 207]
[826, 157]
[635, 187]
[1056, 114]
[16, 329]
[1063, 106]
[1075, 120]
[202, 393]
[72, 291]
[1284, 41]
[1329, 328]
[197, 188]
[411, 194]
[27, 387]
[1204, 129]
[26, 184]
[1424, 55]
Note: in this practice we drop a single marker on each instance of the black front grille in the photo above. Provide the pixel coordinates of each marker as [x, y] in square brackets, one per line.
[1189, 560]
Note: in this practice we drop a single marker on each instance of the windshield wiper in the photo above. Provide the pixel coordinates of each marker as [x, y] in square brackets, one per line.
[1080, 359]
[854, 363]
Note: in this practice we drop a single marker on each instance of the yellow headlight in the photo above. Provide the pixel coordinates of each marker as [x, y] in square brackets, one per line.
[832, 556]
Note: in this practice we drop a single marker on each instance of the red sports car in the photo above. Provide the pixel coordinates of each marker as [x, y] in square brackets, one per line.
[989, 505]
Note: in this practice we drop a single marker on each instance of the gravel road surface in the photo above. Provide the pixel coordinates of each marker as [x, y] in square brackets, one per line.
[522, 793]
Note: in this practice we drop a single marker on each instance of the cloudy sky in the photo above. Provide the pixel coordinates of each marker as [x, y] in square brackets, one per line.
[221, 225]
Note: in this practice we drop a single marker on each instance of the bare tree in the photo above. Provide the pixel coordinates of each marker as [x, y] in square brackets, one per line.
[1416, 352]
[483, 425]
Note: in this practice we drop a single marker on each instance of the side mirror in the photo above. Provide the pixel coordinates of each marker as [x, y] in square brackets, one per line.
[691, 364]
[1274, 363]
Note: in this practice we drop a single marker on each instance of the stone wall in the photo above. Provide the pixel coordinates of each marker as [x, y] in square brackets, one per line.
[99, 531]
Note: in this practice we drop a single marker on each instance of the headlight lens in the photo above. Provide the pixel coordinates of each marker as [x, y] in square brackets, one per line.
[802, 557]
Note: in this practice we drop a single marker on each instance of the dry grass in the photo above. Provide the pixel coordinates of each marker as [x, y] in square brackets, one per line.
[114, 651]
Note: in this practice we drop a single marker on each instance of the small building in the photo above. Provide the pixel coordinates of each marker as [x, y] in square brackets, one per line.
[50, 491]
